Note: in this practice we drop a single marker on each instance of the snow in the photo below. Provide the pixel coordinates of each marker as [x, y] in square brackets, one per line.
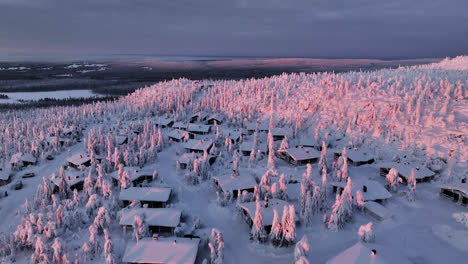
[72, 177]
[5, 174]
[134, 172]
[22, 157]
[79, 159]
[197, 128]
[149, 194]
[163, 217]
[180, 125]
[174, 250]
[261, 126]
[379, 211]
[233, 182]
[302, 153]
[178, 134]
[281, 131]
[404, 169]
[460, 187]
[246, 146]
[198, 145]
[361, 253]
[357, 155]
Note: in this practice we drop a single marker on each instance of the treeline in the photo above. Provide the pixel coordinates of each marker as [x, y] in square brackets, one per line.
[50, 102]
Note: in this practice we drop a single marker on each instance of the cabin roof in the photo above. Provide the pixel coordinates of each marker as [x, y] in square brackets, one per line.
[178, 134]
[461, 187]
[361, 253]
[281, 131]
[404, 169]
[248, 145]
[261, 126]
[198, 144]
[133, 172]
[233, 182]
[79, 159]
[164, 217]
[162, 250]
[303, 153]
[375, 191]
[357, 154]
[267, 213]
[20, 156]
[198, 128]
[151, 194]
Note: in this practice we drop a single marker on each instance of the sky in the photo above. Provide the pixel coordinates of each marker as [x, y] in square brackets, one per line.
[274, 28]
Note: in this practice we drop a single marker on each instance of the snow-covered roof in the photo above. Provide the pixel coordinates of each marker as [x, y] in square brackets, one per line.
[379, 210]
[174, 250]
[151, 194]
[361, 253]
[187, 157]
[309, 142]
[5, 174]
[247, 146]
[198, 144]
[357, 155]
[461, 187]
[281, 131]
[20, 156]
[121, 139]
[404, 169]
[197, 128]
[133, 172]
[200, 115]
[267, 212]
[261, 126]
[163, 121]
[217, 117]
[72, 177]
[164, 217]
[178, 134]
[235, 182]
[180, 125]
[234, 135]
[303, 153]
[375, 191]
[52, 139]
[79, 159]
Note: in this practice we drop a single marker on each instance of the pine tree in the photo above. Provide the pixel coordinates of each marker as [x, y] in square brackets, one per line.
[309, 209]
[283, 192]
[302, 249]
[64, 189]
[366, 233]
[360, 199]
[276, 232]
[258, 232]
[411, 186]
[392, 179]
[289, 228]
[271, 151]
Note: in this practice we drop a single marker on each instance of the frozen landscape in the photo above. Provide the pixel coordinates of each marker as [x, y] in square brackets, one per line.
[351, 167]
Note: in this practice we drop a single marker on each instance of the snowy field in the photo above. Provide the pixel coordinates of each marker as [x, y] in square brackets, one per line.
[34, 96]
[298, 168]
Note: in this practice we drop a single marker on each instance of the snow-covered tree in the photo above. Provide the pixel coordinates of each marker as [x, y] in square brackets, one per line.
[276, 233]
[40, 254]
[140, 229]
[271, 151]
[360, 199]
[59, 256]
[392, 179]
[366, 233]
[258, 232]
[102, 220]
[411, 186]
[288, 224]
[301, 249]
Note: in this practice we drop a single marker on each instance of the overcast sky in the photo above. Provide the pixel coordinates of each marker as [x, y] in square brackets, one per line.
[290, 28]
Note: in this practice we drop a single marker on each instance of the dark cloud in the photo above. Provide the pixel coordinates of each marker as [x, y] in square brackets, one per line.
[340, 28]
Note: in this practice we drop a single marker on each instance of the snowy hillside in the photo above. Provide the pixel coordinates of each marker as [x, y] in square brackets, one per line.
[296, 168]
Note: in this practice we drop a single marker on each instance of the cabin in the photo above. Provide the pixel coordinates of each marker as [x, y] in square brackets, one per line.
[234, 136]
[5, 176]
[369, 253]
[180, 125]
[178, 135]
[137, 175]
[198, 145]
[200, 117]
[164, 122]
[159, 250]
[377, 210]
[150, 197]
[310, 142]
[234, 182]
[279, 133]
[121, 140]
[20, 160]
[218, 118]
[300, 155]
[260, 127]
[188, 158]
[158, 220]
[58, 141]
[357, 157]
[79, 160]
[199, 129]
[248, 210]
[458, 192]
[371, 190]
[421, 173]
[74, 178]
[246, 148]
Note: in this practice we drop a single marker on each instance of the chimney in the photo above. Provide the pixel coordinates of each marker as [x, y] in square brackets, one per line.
[155, 236]
[374, 252]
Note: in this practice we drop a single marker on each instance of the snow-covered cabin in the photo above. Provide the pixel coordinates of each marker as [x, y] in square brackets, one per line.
[5, 176]
[201, 116]
[260, 127]
[377, 210]
[152, 197]
[178, 135]
[158, 220]
[371, 190]
[74, 178]
[137, 175]
[300, 155]
[188, 158]
[164, 122]
[79, 160]
[180, 125]
[174, 250]
[421, 173]
[231, 183]
[458, 192]
[21, 159]
[369, 253]
[357, 157]
[248, 209]
[246, 147]
[59, 141]
[198, 129]
[198, 145]
[279, 133]
[122, 139]
[215, 117]
[234, 136]
[310, 142]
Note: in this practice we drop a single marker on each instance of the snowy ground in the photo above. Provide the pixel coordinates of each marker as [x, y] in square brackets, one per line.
[423, 230]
